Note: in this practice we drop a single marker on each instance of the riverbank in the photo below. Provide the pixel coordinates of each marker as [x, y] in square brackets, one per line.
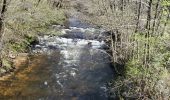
[20, 31]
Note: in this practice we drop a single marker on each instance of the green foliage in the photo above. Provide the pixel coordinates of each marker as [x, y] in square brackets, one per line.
[134, 68]
[166, 3]
[19, 47]
[7, 64]
[141, 82]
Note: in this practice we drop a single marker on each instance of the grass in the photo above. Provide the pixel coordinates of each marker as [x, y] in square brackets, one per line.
[24, 21]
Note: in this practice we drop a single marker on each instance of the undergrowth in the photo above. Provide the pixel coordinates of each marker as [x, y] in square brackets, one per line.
[141, 82]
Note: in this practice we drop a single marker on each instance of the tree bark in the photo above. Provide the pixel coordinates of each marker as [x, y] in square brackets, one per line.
[147, 35]
[2, 15]
[156, 16]
[166, 22]
[138, 18]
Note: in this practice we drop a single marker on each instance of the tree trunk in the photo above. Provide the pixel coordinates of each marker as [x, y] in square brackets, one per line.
[147, 35]
[156, 16]
[160, 14]
[138, 19]
[166, 22]
[4, 8]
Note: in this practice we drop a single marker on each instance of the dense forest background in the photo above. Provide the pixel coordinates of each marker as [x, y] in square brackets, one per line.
[139, 42]
[139, 38]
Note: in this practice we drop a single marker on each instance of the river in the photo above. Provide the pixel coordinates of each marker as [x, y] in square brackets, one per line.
[72, 66]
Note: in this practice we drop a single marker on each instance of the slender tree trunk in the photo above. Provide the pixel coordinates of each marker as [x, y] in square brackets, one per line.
[147, 35]
[160, 14]
[138, 18]
[166, 22]
[156, 16]
[2, 15]
[135, 48]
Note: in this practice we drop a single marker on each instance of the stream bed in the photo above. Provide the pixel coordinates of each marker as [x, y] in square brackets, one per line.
[72, 66]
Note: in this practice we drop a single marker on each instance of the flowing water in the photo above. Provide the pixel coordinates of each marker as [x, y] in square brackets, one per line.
[73, 66]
